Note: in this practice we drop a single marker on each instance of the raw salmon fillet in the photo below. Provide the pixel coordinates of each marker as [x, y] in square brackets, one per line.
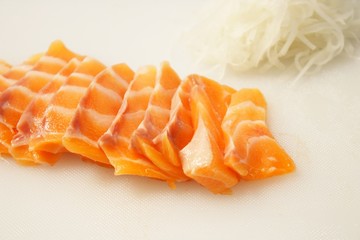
[11, 74]
[46, 143]
[156, 117]
[116, 141]
[31, 119]
[14, 100]
[251, 150]
[96, 112]
[202, 158]
[179, 130]
[148, 123]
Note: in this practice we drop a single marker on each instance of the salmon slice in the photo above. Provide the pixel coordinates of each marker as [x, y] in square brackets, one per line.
[31, 118]
[156, 117]
[4, 66]
[14, 100]
[251, 150]
[116, 141]
[46, 143]
[9, 75]
[96, 112]
[179, 130]
[202, 158]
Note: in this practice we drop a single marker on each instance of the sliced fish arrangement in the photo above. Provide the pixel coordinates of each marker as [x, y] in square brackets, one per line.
[147, 123]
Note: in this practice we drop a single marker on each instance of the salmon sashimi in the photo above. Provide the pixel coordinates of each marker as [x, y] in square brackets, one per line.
[96, 112]
[202, 158]
[9, 75]
[251, 150]
[46, 143]
[116, 141]
[179, 130]
[31, 119]
[15, 98]
[156, 117]
[147, 123]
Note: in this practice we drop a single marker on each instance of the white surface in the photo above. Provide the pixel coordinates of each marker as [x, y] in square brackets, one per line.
[316, 121]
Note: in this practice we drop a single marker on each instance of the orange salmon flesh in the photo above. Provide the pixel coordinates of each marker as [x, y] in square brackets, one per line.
[149, 122]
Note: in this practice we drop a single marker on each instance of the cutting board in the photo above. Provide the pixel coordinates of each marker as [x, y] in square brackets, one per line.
[316, 119]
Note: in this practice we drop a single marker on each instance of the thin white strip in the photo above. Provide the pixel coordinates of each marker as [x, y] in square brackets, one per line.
[100, 118]
[82, 137]
[40, 74]
[73, 61]
[167, 91]
[23, 90]
[7, 105]
[253, 140]
[83, 76]
[134, 114]
[246, 122]
[8, 81]
[59, 77]
[143, 91]
[72, 88]
[158, 109]
[122, 139]
[23, 68]
[107, 91]
[53, 60]
[242, 105]
[159, 88]
[123, 83]
[230, 146]
[45, 96]
[60, 109]
[5, 144]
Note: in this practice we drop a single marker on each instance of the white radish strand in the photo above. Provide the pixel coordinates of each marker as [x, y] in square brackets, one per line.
[248, 34]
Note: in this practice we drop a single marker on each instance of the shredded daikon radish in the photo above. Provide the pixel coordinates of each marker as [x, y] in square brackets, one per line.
[261, 34]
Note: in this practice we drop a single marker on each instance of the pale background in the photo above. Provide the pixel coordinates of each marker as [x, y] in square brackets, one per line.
[317, 120]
